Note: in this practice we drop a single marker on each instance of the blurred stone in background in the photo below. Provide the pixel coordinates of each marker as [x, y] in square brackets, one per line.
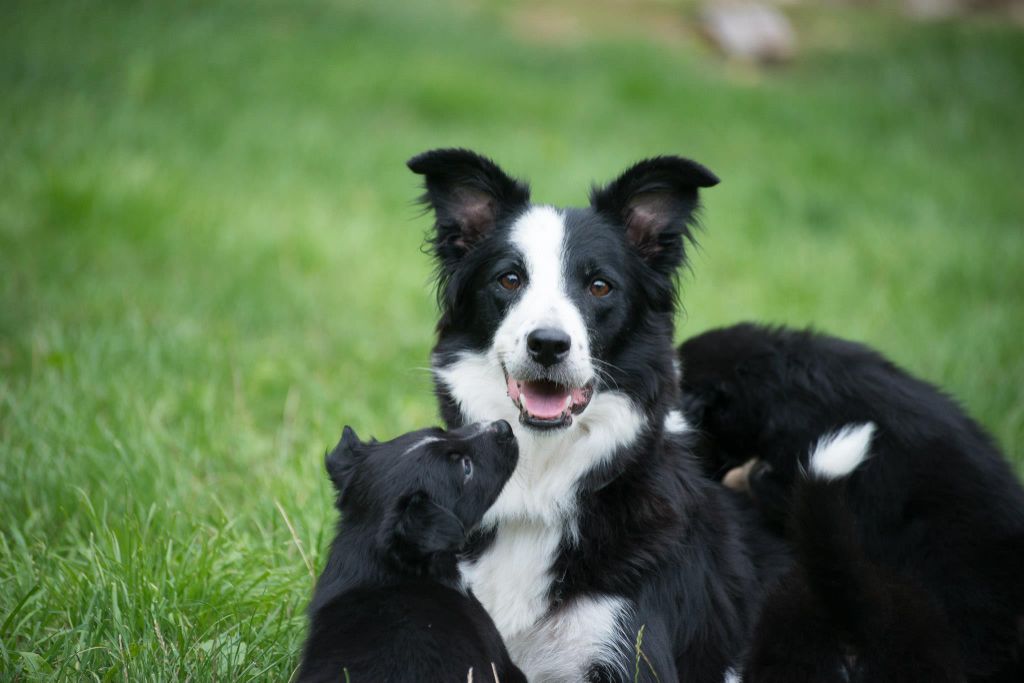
[749, 31]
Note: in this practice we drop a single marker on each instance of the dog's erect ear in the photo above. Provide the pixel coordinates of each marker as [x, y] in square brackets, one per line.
[469, 194]
[418, 528]
[655, 201]
[340, 461]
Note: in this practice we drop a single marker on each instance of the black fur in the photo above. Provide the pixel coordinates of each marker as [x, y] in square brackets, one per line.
[388, 605]
[937, 511]
[651, 530]
[839, 615]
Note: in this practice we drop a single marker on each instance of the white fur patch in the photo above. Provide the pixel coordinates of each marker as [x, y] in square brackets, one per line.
[840, 453]
[420, 444]
[675, 423]
[731, 677]
[512, 578]
[566, 644]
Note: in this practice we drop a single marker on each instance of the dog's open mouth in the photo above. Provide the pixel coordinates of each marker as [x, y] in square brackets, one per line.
[544, 404]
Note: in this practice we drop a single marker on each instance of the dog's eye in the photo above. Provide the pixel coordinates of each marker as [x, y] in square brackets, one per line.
[510, 280]
[600, 288]
[467, 467]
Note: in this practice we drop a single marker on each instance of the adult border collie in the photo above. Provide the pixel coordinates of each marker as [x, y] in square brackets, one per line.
[607, 556]
[937, 506]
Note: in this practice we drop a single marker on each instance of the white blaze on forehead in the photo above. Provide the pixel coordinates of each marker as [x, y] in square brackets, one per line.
[419, 444]
[539, 235]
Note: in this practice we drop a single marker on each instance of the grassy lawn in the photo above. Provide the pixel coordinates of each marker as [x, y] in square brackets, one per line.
[209, 262]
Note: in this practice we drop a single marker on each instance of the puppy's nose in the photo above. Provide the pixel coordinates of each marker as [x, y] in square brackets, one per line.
[501, 429]
[548, 345]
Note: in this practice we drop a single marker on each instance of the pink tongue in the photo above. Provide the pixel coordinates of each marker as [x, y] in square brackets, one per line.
[545, 400]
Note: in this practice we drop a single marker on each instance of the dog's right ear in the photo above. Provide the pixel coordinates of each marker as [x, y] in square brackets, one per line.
[341, 461]
[469, 194]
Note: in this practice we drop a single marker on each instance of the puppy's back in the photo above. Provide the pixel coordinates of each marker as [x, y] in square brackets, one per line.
[415, 631]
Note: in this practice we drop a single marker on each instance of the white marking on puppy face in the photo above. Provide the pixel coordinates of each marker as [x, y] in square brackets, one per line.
[675, 423]
[539, 236]
[420, 444]
[566, 644]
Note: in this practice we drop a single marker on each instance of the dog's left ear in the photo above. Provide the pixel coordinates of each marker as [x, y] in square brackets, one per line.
[469, 194]
[655, 201]
[419, 528]
[341, 461]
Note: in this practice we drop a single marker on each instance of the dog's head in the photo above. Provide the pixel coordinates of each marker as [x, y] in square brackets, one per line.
[558, 304]
[421, 492]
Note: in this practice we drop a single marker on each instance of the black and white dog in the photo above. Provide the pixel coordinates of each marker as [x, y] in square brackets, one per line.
[936, 508]
[390, 605]
[607, 556]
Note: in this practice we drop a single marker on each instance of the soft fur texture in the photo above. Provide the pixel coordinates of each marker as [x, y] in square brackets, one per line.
[837, 615]
[606, 534]
[390, 605]
[936, 512]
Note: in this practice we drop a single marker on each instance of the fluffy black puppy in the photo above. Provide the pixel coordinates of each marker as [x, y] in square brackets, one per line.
[389, 605]
[936, 506]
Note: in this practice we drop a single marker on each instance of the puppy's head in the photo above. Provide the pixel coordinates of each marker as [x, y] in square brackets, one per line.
[421, 492]
[754, 391]
[724, 376]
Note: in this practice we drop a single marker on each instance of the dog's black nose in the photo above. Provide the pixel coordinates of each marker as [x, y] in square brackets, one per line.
[548, 345]
[501, 429]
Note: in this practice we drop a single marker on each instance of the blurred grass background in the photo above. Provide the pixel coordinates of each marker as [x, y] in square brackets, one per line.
[209, 261]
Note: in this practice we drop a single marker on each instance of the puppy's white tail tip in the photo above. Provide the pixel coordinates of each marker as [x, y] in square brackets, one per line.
[841, 452]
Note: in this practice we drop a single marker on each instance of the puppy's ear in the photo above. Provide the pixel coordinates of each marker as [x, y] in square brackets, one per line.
[655, 202]
[418, 528]
[469, 194]
[341, 461]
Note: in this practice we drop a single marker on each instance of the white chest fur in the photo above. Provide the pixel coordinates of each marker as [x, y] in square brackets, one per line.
[532, 516]
[513, 576]
[512, 579]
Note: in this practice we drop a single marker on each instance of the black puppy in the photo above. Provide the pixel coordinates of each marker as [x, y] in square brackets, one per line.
[390, 605]
[936, 505]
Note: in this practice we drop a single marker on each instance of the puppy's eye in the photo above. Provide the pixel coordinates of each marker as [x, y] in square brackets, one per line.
[510, 280]
[600, 288]
[467, 467]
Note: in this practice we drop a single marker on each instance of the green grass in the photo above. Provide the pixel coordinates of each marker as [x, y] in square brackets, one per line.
[209, 263]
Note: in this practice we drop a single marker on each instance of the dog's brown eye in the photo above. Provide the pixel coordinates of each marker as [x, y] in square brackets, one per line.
[509, 281]
[600, 288]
